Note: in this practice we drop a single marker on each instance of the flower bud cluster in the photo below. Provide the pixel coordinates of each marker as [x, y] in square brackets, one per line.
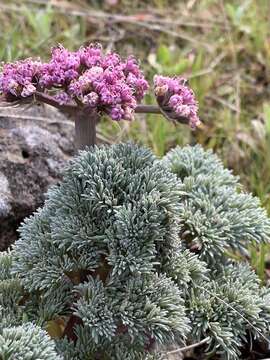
[176, 100]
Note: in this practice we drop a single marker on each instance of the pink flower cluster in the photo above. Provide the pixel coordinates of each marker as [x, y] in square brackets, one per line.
[176, 99]
[19, 78]
[86, 77]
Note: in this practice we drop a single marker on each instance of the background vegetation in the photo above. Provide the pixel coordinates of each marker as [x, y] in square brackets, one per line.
[221, 46]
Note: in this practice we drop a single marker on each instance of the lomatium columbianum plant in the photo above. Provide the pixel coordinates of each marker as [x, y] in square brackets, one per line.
[128, 257]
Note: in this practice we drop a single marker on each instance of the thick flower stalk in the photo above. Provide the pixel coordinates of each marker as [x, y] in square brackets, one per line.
[88, 83]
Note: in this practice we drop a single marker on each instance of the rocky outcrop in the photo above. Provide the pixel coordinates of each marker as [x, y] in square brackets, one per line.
[32, 155]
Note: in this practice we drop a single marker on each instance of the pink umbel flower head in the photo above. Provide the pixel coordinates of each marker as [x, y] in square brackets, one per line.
[86, 78]
[176, 100]
[20, 79]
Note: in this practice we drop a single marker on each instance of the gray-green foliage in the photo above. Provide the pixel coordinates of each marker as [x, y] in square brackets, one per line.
[97, 247]
[230, 308]
[26, 342]
[215, 216]
[10, 293]
[132, 249]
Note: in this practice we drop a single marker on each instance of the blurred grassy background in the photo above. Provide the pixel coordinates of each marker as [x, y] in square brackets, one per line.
[222, 47]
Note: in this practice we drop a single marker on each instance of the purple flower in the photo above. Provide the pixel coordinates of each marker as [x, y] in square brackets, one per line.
[28, 90]
[91, 99]
[62, 97]
[91, 55]
[116, 112]
[176, 100]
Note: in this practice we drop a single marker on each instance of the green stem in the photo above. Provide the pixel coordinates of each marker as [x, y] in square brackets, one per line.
[85, 128]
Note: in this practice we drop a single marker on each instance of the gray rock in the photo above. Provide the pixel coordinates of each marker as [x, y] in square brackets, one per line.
[32, 155]
[5, 196]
